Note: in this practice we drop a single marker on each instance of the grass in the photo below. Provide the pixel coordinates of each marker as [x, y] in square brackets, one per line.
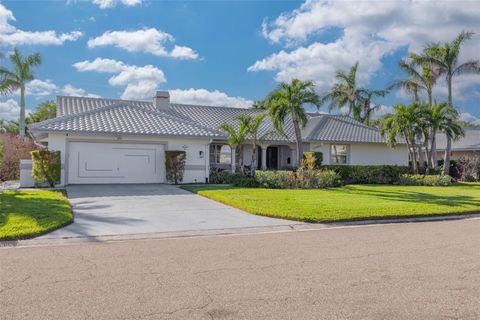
[24, 214]
[351, 202]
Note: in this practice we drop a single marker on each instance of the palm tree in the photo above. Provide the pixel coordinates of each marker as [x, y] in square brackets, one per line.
[17, 79]
[423, 79]
[253, 126]
[403, 123]
[366, 96]
[344, 92]
[287, 101]
[237, 135]
[446, 59]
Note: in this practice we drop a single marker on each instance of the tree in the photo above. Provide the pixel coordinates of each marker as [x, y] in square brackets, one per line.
[253, 126]
[237, 135]
[287, 101]
[446, 59]
[439, 118]
[17, 79]
[421, 77]
[346, 92]
[403, 123]
[46, 110]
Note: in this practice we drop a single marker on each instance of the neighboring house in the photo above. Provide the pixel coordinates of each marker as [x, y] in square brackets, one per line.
[468, 146]
[118, 141]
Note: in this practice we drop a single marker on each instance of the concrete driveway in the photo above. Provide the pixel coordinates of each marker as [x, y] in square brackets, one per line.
[104, 210]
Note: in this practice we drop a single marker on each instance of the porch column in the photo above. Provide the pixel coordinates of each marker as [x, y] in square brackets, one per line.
[234, 161]
[264, 157]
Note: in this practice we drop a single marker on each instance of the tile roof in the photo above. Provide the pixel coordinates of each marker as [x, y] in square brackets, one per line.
[96, 115]
[123, 118]
[337, 128]
[471, 141]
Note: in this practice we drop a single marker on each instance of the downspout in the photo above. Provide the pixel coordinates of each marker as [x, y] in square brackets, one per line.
[207, 160]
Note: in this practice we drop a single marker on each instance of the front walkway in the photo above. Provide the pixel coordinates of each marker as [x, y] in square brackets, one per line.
[103, 210]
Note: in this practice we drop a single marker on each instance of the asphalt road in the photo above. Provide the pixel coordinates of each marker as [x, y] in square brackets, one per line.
[402, 271]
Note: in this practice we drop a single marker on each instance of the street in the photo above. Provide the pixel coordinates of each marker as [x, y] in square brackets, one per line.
[428, 270]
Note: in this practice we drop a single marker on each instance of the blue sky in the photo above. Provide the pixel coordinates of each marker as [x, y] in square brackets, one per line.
[227, 52]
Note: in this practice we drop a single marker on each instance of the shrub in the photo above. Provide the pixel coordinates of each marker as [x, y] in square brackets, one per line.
[469, 168]
[13, 149]
[328, 179]
[303, 178]
[275, 179]
[382, 174]
[223, 177]
[245, 182]
[46, 166]
[175, 165]
[422, 180]
[316, 156]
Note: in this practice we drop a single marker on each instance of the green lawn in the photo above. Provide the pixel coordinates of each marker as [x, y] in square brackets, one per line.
[351, 202]
[24, 214]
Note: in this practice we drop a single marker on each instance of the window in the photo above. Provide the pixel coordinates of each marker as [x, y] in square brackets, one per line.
[339, 154]
[220, 154]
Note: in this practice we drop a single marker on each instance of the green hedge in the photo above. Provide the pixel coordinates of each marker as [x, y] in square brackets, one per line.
[46, 166]
[302, 178]
[422, 180]
[382, 174]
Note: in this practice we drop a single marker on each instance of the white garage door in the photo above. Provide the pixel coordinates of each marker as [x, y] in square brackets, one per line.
[115, 163]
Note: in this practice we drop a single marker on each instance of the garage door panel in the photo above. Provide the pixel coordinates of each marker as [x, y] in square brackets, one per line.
[115, 163]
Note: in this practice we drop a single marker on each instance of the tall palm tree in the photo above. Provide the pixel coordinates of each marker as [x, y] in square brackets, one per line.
[365, 104]
[287, 101]
[237, 135]
[17, 79]
[403, 123]
[344, 92]
[446, 59]
[421, 77]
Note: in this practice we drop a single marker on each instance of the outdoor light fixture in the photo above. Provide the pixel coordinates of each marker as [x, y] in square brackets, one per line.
[201, 154]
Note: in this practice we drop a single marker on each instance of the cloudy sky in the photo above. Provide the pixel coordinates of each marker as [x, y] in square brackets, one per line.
[228, 52]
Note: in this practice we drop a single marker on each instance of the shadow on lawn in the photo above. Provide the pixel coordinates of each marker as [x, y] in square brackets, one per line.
[417, 196]
[48, 213]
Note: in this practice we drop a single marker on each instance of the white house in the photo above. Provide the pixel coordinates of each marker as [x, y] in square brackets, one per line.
[119, 141]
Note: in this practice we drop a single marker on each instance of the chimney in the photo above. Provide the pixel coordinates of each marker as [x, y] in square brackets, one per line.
[162, 100]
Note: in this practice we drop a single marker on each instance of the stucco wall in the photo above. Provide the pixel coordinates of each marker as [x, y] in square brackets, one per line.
[196, 168]
[367, 154]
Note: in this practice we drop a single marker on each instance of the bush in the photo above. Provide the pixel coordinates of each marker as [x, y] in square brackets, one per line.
[422, 180]
[303, 178]
[223, 177]
[13, 149]
[383, 174]
[245, 182]
[317, 158]
[46, 166]
[275, 179]
[175, 165]
[328, 179]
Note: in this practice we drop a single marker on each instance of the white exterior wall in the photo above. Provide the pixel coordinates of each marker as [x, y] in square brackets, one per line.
[367, 154]
[196, 168]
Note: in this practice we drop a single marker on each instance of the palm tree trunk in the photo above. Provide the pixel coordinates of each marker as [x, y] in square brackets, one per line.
[234, 160]
[433, 151]
[421, 156]
[414, 161]
[446, 159]
[254, 158]
[298, 141]
[448, 149]
[22, 111]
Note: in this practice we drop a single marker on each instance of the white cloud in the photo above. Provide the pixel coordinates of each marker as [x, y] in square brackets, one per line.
[70, 90]
[468, 117]
[38, 87]
[139, 82]
[9, 109]
[145, 40]
[105, 4]
[11, 36]
[369, 32]
[211, 98]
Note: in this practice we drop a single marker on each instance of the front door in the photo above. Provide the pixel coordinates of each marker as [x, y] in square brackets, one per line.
[272, 158]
